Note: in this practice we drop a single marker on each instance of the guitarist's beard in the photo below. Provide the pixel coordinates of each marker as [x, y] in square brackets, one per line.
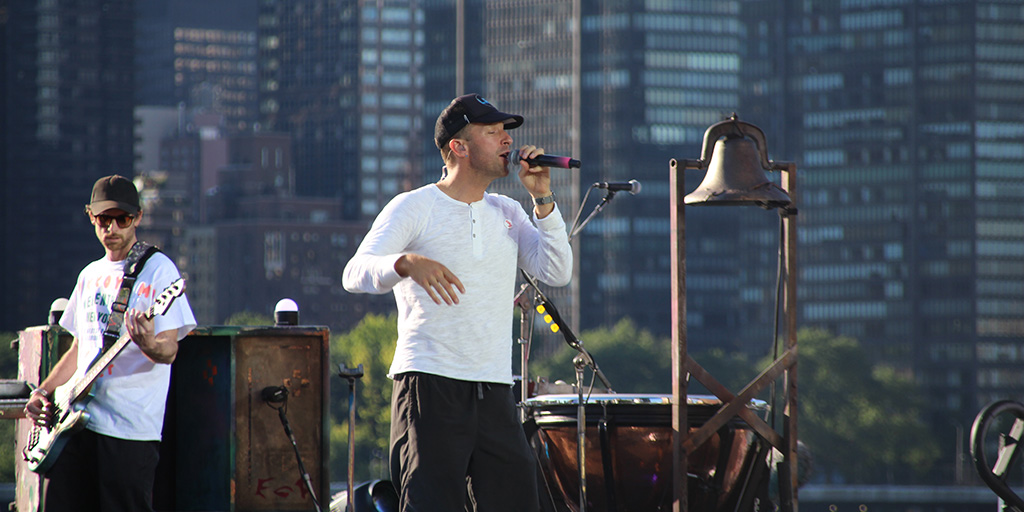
[118, 244]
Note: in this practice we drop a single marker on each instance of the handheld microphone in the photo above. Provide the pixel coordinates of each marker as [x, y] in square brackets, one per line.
[562, 162]
[632, 186]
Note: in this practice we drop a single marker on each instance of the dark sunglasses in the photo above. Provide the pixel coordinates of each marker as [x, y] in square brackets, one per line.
[124, 220]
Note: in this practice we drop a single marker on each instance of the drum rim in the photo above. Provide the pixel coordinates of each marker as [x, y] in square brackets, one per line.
[632, 399]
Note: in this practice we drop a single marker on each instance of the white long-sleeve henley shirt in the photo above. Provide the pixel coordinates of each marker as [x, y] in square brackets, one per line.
[482, 243]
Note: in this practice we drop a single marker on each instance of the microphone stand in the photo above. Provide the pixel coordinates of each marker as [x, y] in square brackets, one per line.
[597, 209]
[277, 398]
[351, 375]
[566, 331]
[525, 335]
[582, 360]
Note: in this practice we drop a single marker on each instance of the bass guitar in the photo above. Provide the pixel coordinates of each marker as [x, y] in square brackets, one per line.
[46, 441]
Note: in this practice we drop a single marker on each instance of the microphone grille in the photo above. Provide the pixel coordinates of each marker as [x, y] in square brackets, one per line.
[636, 187]
[513, 161]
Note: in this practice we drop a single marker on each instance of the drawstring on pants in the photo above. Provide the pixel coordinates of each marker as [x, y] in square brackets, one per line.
[480, 389]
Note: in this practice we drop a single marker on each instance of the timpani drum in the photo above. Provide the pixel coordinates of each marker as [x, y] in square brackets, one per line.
[628, 446]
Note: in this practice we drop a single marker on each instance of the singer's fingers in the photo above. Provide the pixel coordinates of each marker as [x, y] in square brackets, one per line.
[441, 291]
[527, 152]
[432, 276]
[443, 285]
[433, 296]
[453, 279]
[449, 291]
[447, 294]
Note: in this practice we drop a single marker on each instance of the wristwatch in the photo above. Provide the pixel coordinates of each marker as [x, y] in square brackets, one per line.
[550, 198]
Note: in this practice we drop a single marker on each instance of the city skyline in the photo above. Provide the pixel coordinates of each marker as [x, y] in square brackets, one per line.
[903, 118]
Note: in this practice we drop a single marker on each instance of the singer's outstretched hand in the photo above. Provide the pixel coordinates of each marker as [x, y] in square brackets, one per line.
[537, 180]
[439, 282]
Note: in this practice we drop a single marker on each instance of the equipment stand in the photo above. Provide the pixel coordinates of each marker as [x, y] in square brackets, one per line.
[581, 429]
[277, 398]
[351, 375]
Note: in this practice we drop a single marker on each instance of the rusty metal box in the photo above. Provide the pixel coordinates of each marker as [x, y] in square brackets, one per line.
[225, 448]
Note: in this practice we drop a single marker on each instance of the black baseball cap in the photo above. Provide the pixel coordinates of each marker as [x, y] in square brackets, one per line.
[114, 191]
[469, 108]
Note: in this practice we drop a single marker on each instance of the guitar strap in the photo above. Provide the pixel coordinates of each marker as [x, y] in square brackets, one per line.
[137, 257]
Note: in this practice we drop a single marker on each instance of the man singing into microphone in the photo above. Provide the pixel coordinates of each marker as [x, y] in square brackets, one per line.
[449, 251]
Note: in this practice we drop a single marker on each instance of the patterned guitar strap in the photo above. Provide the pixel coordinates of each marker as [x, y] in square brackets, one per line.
[137, 256]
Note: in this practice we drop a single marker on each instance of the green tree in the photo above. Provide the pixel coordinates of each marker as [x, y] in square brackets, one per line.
[372, 344]
[733, 370]
[636, 361]
[863, 423]
[249, 319]
[633, 360]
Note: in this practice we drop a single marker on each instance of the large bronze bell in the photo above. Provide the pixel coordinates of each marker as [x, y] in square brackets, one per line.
[736, 171]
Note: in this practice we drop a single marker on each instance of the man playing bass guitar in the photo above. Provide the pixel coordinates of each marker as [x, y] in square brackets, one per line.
[110, 465]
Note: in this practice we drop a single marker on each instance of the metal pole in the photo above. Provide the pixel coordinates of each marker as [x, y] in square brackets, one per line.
[789, 428]
[351, 444]
[460, 47]
[351, 375]
[581, 431]
[680, 425]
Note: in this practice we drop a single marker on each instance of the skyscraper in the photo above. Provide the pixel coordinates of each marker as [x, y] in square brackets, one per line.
[905, 118]
[309, 70]
[67, 89]
[625, 86]
[391, 95]
[453, 65]
[200, 54]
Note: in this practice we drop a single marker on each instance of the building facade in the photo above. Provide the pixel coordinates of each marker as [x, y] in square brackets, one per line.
[905, 118]
[625, 86]
[309, 72]
[392, 50]
[198, 54]
[66, 87]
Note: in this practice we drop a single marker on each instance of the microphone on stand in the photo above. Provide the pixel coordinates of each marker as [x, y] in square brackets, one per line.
[632, 186]
[561, 162]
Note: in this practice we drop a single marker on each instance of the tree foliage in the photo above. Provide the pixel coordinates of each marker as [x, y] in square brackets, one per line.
[863, 423]
[633, 360]
[249, 319]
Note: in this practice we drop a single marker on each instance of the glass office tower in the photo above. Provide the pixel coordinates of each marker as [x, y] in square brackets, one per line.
[66, 87]
[308, 74]
[625, 86]
[345, 80]
[905, 118]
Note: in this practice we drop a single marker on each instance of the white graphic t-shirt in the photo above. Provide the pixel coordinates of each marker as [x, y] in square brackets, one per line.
[130, 395]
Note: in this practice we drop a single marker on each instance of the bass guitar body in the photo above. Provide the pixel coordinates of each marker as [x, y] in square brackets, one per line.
[46, 443]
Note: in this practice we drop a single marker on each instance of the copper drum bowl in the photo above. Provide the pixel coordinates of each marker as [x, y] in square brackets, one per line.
[630, 436]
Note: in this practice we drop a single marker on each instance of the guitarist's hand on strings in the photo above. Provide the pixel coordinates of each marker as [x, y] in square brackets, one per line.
[159, 347]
